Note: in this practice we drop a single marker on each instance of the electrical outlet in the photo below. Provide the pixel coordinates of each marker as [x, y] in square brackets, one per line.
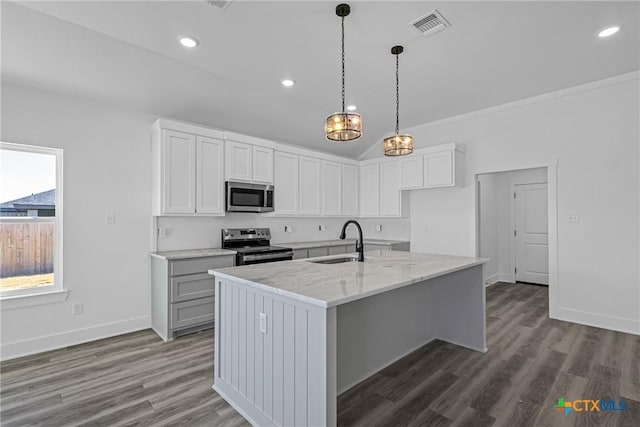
[574, 218]
[287, 229]
[379, 227]
[162, 232]
[76, 309]
[263, 323]
[320, 228]
[110, 218]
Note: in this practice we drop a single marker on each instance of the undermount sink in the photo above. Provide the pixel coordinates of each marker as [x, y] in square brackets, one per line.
[335, 260]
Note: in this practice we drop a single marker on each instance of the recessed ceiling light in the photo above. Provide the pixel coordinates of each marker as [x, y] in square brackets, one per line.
[351, 108]
[188, 41]
[609, 31]
[288, 82]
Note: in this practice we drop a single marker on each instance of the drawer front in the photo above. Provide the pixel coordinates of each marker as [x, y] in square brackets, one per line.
[336, 250]
[199, 265]
[300, 253]
[314, 252]
[189, 313]
[184, 288]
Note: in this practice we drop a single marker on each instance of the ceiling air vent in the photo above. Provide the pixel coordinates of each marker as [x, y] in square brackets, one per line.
[430, 24]
[221, 4]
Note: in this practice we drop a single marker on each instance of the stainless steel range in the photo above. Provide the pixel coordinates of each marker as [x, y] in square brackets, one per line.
[253, 246]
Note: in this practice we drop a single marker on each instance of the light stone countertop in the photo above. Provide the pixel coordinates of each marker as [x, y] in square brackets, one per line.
[328, 285]
[336, 242]
[192, 253]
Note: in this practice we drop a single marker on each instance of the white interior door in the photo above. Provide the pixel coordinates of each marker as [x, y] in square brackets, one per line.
[531, 234]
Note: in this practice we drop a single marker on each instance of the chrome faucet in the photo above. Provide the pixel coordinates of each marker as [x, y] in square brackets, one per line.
[359, 242]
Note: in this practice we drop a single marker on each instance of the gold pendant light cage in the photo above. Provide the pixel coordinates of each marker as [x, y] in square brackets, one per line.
[343, 127]
[398, 144]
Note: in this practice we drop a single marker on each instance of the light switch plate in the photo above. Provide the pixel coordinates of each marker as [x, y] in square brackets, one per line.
[110, 218]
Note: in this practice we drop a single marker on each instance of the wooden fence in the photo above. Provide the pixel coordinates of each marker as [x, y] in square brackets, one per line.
[27, 248]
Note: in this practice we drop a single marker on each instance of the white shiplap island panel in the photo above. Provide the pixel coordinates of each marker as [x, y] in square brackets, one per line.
[329, 327]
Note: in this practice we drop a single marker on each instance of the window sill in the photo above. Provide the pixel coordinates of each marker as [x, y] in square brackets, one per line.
[20, 301]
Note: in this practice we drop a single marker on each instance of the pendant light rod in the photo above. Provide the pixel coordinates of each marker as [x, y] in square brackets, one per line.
[343, 126]
[397, 50]
[343, 10]
[397, 145]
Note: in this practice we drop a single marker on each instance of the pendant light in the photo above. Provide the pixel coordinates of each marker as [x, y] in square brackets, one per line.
[398, 144]
[343, 126]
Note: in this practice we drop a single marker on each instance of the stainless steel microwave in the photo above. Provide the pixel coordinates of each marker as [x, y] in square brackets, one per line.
[245, 197]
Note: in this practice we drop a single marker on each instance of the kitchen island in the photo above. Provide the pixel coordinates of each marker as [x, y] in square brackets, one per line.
[291, 336]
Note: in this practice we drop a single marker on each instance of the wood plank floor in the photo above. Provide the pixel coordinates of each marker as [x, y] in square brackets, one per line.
[138, 380]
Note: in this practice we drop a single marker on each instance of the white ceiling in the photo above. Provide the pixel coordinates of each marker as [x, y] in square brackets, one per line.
[126, 53]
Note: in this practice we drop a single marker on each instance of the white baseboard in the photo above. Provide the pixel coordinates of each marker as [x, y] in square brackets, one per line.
[506, 277]
[36, 345]
[499, 277]
[629, 326]
[490, 280]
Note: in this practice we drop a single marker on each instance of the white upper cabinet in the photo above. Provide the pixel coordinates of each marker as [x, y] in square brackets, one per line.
[239, 161]
[262, 164]
[433, 167]
[331, 188]
[248, 159]
[286, 184]
[390, 176]
[412, 172]
[349, 190]
[187, 170]
[309, 186]
[209, 175]
[370, 189]
[438, 169]
[178, 194]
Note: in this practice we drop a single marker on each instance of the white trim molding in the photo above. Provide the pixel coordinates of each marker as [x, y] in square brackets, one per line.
[58, 220]
[629, 326]
[29, 300]
[40, 344]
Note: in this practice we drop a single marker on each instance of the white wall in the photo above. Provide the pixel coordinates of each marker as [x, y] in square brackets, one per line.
[488, 225]
[593, 133]
[204, 232]
[106, 267]
[495, 232]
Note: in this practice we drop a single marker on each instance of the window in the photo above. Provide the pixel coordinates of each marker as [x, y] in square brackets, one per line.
[30, 220]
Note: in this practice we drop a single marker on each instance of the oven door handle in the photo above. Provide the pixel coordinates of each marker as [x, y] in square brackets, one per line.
[267, 256]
